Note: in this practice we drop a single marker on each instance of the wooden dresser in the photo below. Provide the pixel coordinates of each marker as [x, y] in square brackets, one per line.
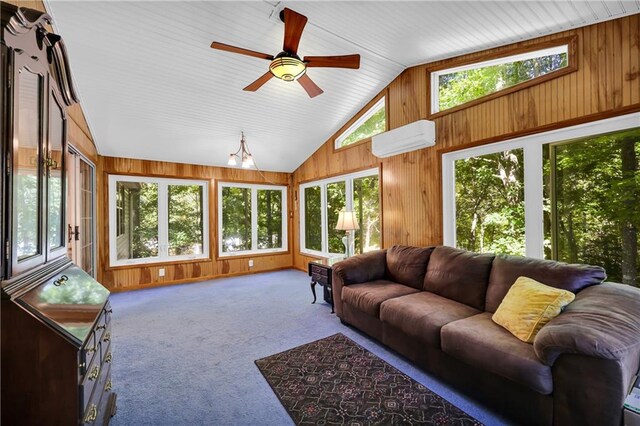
[55, 319]
[56, 351]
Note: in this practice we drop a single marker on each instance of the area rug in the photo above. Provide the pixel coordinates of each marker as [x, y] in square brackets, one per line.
[335, 381]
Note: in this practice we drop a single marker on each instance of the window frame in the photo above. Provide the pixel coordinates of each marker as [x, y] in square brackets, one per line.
[511, 55]
[533, 174]
[348, 179]
[363, 115]
[254, 218]
[163, 220]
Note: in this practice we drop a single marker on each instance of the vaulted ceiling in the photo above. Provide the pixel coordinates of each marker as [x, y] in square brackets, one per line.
[152, 88]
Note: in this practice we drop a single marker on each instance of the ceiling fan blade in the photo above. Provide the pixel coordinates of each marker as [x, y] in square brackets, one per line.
[240, 50]
[344, 61]
[259, 82]
[312, 89]
[293, 25]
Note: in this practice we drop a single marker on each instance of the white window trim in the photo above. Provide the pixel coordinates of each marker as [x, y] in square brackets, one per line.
[348, 179]
[533, 176]
[435, 75]
[364, 117]
[254, 218]
[163, 220]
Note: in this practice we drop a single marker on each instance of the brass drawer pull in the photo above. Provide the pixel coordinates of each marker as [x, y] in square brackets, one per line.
[101, 327]
[107, 337]
[92, 414]
[107, 387]
[60, 281]
[108, 357]
[91, 350]
[94, 373]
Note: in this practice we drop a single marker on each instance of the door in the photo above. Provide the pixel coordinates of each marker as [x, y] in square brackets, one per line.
[81, 211]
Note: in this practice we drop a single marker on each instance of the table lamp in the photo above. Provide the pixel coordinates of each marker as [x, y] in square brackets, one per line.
[348, 222]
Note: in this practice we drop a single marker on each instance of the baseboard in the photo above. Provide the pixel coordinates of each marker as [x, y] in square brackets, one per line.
[195, 280]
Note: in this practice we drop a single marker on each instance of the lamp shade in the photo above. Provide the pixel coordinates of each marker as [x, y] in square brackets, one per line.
[287, 68]
[347, 221]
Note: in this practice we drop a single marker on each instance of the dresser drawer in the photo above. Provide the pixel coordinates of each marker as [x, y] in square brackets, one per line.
[322, 279]
[97, 412]
[319, 270]
[90, 379]
[101, 325]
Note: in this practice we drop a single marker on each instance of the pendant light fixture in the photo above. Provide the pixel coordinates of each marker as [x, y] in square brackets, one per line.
[242, 154]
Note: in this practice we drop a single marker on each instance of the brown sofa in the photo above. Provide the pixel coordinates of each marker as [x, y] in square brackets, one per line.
[434, 306]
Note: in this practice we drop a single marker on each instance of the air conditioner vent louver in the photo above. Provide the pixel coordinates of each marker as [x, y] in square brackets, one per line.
[413, 136]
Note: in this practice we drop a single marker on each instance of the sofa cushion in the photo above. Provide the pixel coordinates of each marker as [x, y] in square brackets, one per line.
[506, 269]
[481, 343]
[528, 306]
[459, 275]
[367, 297]
[422, 315]
[407, 265]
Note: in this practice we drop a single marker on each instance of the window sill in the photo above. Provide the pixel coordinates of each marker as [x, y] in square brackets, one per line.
[257, 253]
[155, 263]
[320, 255]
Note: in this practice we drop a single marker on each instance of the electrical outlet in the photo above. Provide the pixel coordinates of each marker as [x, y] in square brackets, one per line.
[251, 263]
[161, 272]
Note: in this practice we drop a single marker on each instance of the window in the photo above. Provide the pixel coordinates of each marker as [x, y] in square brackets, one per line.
[455, 86]
[371, 123]
[251, 218]
[572, 195]
[321, 203]
[154, 219]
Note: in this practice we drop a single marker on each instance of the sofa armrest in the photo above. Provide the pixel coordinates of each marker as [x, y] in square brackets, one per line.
[594, 348]
[357, 269]
[602, 322]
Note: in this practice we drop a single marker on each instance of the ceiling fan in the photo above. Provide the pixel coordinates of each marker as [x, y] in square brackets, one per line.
[287, 65]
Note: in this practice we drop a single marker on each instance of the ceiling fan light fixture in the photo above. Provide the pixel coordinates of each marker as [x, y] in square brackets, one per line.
[287, 68]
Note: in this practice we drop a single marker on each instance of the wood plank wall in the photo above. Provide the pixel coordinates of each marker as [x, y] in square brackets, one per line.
[607, 83]
[142, 276]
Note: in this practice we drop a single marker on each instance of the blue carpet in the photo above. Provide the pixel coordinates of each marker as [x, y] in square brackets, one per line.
[184, 354]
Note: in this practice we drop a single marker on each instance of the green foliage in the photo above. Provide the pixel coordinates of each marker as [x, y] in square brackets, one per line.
[55, 210]
[236, 219]
[336, 201]
[26, 193]
[372, 126]
[591, 203]
[459, 87]
[269, 218]
[144, 220]
[313, 218]
[185, 220]
[598, 203]
[490, 203]
[366, 203]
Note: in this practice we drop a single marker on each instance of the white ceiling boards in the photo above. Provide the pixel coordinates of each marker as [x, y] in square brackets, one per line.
[152, 88]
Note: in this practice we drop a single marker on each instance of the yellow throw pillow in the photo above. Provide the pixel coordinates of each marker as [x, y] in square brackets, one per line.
[528, 306]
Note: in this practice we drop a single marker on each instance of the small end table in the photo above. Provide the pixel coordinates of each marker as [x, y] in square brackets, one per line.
[320, 272]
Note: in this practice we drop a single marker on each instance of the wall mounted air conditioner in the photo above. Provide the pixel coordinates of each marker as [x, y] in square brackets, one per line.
[416, 135]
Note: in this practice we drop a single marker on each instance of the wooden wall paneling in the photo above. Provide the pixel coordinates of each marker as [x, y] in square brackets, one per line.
[632, 74]
[606, 83]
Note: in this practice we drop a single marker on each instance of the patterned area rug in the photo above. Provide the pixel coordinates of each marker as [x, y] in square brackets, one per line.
[335, 381]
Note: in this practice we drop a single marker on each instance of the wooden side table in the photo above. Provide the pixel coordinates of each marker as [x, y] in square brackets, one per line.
[320, 272]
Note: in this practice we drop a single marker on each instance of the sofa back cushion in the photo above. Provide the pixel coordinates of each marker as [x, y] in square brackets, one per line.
[407, 265]
[459, 275]
[506, 269]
